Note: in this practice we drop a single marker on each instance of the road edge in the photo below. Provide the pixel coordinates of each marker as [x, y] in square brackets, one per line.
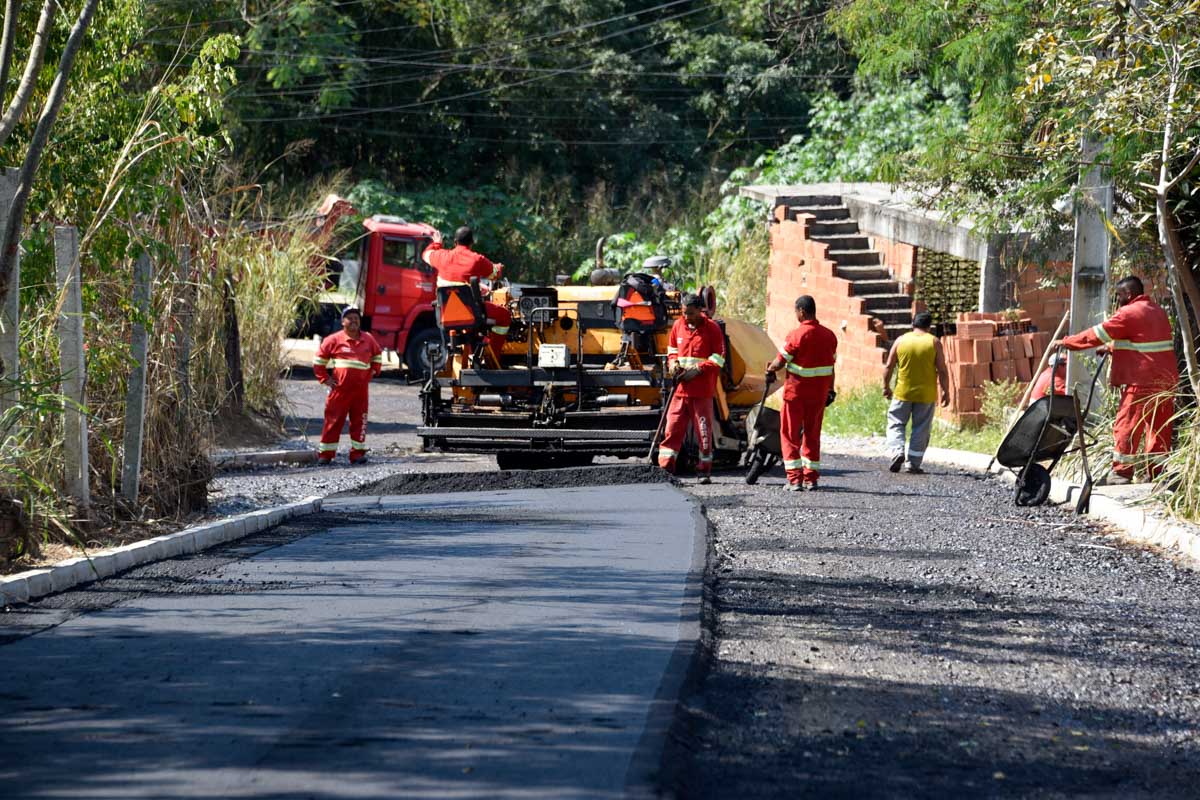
[33, 584]
[1129, 509]
[650, 765]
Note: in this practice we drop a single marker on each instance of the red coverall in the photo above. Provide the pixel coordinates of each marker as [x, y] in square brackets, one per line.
[1143, 366]
[703, 347]
[353, 363]
[456, 267]
[1043, 389]
[809, 353]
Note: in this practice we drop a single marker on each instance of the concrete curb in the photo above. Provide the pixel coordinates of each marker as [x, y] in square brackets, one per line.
[25, 586]
[1129, 509]
[264, 458]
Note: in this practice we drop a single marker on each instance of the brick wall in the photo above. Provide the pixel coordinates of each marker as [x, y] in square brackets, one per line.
[1045, 306]
[798, 266]
[899, 257]
[988, 348]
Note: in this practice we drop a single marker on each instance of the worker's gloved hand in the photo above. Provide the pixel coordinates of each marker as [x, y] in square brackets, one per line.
[829, 398]
[688, 374]
[770, 377]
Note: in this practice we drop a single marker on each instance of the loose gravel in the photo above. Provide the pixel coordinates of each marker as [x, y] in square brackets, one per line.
[921, 636]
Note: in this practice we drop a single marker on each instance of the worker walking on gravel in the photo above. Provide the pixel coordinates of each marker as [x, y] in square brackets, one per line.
[809, 353]
[457, 266]
[1144, 368]
[345, 362]
[917, 360]
[695, 357]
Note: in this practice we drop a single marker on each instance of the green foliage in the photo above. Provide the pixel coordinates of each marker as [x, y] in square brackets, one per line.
[505, 229]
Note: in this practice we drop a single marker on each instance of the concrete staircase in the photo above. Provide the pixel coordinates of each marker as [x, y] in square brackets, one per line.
[856, 261]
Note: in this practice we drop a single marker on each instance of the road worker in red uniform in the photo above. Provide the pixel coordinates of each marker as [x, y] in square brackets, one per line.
[1053, 379]
[345, 362]
[695, 357]
[457, 266]
[1144, 368]
[809, 353]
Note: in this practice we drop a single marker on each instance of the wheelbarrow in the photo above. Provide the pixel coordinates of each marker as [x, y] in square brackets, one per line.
[762, 427]
[1045, 432]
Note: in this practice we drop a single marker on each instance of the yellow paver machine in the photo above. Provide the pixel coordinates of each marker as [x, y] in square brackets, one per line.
[582, 374]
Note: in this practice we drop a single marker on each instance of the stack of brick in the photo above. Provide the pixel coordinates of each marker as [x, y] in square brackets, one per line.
[988, 348]
[799, 266]
[1045, 304]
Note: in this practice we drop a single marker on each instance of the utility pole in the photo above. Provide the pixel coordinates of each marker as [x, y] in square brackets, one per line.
[1089, 267]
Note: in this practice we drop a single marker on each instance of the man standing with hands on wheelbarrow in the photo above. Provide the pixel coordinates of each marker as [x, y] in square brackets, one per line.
[695, 357]
[809, 352]
[1144, 368]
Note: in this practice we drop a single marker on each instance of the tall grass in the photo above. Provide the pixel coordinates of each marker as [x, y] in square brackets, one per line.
[270, 268]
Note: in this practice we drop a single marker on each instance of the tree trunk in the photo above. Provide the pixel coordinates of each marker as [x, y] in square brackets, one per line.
[33, 65]
[11, 227]
[1177, 265]
[12, 10]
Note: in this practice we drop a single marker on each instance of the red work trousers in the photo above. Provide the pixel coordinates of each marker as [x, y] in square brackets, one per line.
[1143, 417]
[800, 436]
[345, 401]
[681, 414]
[498, 334]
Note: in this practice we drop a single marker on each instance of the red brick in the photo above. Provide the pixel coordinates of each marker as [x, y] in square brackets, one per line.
[1024, 371]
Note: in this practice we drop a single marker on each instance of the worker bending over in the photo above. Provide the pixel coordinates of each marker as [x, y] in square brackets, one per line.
[695, 357]
[1052, 380]
[809, 353]
[457, 266]
[345, 362]
[1143, 366]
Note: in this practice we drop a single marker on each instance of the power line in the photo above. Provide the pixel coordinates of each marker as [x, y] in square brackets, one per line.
[464, 95]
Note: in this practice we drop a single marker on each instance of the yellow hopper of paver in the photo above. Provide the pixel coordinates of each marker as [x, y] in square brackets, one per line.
[582, 374]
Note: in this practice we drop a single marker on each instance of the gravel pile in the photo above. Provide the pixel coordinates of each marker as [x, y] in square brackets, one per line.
[921, 636]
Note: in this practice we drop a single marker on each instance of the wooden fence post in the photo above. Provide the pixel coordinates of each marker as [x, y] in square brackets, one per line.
[10, 314]
[135, 397]
[73, 366]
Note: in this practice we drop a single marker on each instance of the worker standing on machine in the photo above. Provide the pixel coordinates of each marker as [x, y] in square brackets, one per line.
[695, 358]
[809, 352]
[457, 266]
[1143, 366]
[345, 362]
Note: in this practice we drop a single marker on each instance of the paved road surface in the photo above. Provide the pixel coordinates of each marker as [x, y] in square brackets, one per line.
[414, 650]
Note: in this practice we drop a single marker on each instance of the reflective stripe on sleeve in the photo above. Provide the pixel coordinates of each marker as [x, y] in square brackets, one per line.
[786, 358]
[671, 351]
[717, 359]
[1102, 334]
[691, 361]
[377, 359]
[499, 331]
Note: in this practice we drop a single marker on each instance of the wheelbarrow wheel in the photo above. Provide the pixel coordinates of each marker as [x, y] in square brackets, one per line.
[757, 465]
[1033, 485]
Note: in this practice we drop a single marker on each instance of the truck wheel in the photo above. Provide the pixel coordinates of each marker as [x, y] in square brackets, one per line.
[423, 362]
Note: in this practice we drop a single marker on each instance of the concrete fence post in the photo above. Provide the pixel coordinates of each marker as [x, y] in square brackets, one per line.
[72, 365]
[1089, 266]
[135, 397]
[10, 314]
[183, 319]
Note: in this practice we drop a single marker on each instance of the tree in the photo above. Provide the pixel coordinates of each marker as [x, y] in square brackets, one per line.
[1128, 72]
[10, 227]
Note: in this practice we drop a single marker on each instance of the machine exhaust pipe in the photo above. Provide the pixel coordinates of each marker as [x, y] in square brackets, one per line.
[494, 400]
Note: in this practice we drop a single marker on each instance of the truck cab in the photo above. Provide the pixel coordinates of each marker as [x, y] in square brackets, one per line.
[397, 288]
